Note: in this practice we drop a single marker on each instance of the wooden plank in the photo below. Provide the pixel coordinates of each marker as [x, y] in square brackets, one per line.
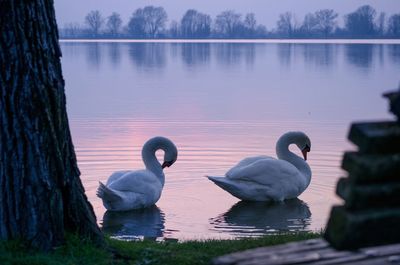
[356, 229]
[306, 257]
[353, 257]
[376, 261]
[326, 256]
[359, 259]
[372, 168]
[365, 254]
[316, 253]
[264, 252]
[368, 196]
[376, 137]
[293, 253]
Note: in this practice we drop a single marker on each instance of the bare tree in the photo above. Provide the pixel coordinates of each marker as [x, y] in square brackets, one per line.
[174, 29]
[250, 24]
[326, 20]
[188, 23]
[137, 24]
[361, 22]
[148, 21]
[394, 25]
[94, 20]
[204, 28]
[309, 25]
[72, 30]
[155, 18]
[195, 24]
[41, 195]
[114, 23]
[381, 23]
[228, 23]
[286, 24]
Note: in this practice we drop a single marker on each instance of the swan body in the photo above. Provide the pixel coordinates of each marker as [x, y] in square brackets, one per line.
[264, 178]
[128, 190]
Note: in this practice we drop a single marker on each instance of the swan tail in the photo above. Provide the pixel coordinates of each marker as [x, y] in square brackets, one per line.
[106, 193]
[223, 183]
[228, 185]
[214, 178]
[220, 181]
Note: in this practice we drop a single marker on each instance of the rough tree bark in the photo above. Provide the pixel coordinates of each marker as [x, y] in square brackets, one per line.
[41, 195]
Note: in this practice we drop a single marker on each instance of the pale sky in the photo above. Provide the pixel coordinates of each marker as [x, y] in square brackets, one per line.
[266, 11]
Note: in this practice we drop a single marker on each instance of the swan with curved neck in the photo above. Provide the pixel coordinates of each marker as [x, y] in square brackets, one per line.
[264, 178]
[128, 190]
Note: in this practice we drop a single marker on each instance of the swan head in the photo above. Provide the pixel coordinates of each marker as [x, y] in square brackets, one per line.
[167, 163]
[303, 143]
[300, 139]
[305, 150]
[159, 142]
[170, 155]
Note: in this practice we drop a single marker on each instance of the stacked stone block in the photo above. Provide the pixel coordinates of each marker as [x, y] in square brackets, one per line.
[370, 215]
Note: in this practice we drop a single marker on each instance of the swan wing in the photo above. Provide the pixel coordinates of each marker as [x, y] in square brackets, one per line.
[139, 181]
[105, 193]
[115, 176]
[116, 200]
[267, 171]
[245, 162]
[130, 190]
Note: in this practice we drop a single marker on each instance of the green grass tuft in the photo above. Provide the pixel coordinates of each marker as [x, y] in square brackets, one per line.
[76, 251]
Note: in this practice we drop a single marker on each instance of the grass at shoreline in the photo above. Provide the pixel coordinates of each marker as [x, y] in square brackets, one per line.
[139, 252]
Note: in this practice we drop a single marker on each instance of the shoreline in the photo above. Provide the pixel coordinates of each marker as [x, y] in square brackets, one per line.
[256, 41]
[76, 250]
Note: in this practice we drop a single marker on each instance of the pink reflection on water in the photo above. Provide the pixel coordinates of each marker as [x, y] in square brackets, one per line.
[227, 101]
[189, 201]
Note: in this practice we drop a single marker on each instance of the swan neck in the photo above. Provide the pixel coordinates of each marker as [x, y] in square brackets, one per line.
[150, 160]
[283, 153]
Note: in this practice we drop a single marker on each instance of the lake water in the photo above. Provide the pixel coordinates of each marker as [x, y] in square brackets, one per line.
[219, 102]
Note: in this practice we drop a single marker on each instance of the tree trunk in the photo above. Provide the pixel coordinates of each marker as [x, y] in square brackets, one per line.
[41, 195]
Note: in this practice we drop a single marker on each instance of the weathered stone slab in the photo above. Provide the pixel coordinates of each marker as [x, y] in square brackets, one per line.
[356, 229]
[368, 196]
[366, 168]
[376, 137]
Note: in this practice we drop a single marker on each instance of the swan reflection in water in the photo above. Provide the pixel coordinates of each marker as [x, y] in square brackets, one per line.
[250, 219]
[147, 223]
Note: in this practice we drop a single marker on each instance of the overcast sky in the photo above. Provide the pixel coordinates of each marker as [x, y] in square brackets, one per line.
[266, 11]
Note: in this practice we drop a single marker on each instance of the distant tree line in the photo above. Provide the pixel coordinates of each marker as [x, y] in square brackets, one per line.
[150, 22]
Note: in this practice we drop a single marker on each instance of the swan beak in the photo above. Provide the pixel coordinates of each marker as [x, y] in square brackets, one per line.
[305, 151]
[166, 164]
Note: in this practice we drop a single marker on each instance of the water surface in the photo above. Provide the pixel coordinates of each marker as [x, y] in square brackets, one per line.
[219, 102]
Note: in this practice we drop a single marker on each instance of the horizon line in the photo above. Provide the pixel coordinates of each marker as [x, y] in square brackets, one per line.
[298, 41]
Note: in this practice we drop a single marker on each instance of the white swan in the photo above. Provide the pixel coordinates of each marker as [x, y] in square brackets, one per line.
[264, 178]
[128, 190]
